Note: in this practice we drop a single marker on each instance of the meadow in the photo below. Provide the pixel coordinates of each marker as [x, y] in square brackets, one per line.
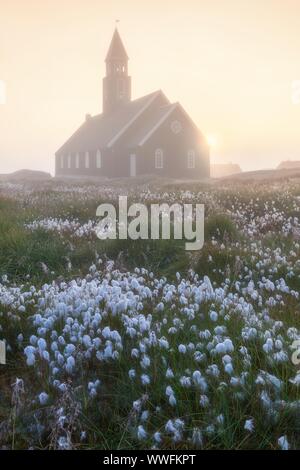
[124, 344]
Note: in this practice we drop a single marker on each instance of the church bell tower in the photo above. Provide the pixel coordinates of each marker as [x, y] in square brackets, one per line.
[117, 83]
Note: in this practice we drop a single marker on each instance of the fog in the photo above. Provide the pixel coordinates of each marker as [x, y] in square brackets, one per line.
[232, 64]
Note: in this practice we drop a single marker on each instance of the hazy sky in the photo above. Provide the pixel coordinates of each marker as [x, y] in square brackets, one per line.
[231, 64]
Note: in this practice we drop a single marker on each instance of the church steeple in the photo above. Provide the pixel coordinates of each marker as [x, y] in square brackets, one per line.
[117, 83]
[116, 49]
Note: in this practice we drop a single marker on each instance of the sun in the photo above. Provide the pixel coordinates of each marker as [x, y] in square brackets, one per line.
[212, 140]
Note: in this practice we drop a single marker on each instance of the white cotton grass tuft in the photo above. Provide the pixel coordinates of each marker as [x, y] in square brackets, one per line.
[30, 361]
[283, 443]
[182, 349]
[169, 374]
[229, 368]
[141, 433]
[145, 416]
[152, 330]
[43, 398]
[70, 365]
[204, 401]
[296, 380]
[145, 379]
[249, 425]
[132, 373]
[220, 420]
[213, 316]
[169, 391]
[64, 443]
[157, 437]
[172, 400]
[197, 438]
[199, 381]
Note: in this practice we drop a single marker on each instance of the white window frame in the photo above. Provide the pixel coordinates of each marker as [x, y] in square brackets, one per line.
[77, 160]
[133, 165]
[87, 160]
[191, 163]
[159, 159]
[98, 159]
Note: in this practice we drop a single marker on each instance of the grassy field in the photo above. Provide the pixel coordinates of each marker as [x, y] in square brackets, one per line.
[123, 344]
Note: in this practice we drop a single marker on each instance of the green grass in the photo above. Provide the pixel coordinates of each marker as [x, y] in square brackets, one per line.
[23, 257]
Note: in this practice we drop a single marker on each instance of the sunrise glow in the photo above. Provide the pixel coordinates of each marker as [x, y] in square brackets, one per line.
[212, 141]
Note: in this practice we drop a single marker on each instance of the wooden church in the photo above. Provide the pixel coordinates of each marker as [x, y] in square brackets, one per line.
[146, 136]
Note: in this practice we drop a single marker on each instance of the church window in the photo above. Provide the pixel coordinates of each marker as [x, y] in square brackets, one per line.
[159, 159]
[87, 160]
[98, 159]
[69, 161]
[77, 160]
[191, 159]
[176, 127]
[62, 161]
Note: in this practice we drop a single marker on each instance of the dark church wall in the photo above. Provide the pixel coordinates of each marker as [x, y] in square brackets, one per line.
[175, 149]
[116, 164]
[119, 164]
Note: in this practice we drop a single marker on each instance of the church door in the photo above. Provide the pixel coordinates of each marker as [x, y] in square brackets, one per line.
[133, 164]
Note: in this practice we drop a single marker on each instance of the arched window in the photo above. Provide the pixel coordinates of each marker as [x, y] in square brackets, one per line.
[98, 159]
[69, 161]
[77, 160]
[159, 159]
[87, 160]
[191, 159]
[62, 158]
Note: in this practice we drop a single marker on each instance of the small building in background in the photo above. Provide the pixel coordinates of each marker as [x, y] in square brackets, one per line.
[289, 165]
[224, 169]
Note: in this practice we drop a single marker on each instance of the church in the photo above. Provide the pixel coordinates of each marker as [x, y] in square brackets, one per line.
[145, 136]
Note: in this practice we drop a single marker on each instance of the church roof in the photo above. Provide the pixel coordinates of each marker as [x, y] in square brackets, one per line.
[149, 124]
[116, 49]
[104, 130]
